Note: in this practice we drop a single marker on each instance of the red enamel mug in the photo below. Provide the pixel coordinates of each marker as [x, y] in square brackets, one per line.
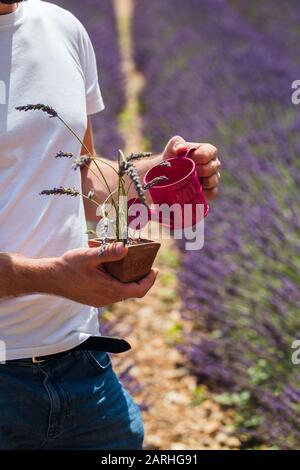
[181, 192]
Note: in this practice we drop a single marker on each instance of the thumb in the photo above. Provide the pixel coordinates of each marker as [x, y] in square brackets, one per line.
[177, 145]
[110, 252]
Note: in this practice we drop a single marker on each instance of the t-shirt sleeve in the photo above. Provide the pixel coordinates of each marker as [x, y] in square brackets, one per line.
[94, 100]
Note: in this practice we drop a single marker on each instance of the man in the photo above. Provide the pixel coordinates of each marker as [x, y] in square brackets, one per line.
[52, 394]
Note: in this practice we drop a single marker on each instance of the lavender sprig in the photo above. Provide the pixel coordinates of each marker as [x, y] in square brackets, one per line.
[165, 163]
[101, 250]
[52, 113]
[104, 237]
[139, 156]
[81, 162]
[60, 191]
[129, 169]
[62, 154]
[38, 107]
[155, 181]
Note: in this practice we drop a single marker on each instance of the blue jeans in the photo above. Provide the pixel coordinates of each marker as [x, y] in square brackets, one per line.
[73, 402]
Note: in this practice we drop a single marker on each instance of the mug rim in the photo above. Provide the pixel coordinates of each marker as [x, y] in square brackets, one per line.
[176, 182]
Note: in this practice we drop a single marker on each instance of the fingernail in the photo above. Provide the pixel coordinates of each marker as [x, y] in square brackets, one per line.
[119, 248]
[180, 146]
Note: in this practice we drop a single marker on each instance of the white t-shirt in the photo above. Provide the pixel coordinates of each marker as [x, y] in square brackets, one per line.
[45, 57]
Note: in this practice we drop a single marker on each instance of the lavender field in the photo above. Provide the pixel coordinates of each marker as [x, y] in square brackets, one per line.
[215, 71]
[221, 71]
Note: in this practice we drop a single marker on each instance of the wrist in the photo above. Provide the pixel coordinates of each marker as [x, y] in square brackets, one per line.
[41, 275]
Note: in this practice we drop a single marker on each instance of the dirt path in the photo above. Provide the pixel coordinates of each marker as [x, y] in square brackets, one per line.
[180, 415]
[130, 120]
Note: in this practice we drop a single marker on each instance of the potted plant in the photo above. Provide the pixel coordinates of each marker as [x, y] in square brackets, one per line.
[114, 214]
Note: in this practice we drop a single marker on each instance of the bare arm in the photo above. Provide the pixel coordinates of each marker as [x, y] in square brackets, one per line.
[205, 156]
[77, 275]
[20, 275]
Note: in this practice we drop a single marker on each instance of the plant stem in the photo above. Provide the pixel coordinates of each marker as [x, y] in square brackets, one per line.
[122, 190]
[83, 144]
[118, 203]
[92, 158]
[124, 195]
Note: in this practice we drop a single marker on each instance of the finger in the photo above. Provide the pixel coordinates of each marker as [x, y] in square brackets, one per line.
[208, 169]
[116, 291]
[176, 145]
[211, 182]
[109, 252]
[204, 153]
[139, 289]
[211, 194]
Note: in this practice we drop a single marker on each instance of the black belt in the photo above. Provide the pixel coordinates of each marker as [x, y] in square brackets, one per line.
[93, 343]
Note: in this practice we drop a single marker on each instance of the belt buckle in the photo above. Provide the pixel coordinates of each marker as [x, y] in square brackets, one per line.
[35, 360]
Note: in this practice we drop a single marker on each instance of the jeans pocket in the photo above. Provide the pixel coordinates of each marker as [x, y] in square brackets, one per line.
[100, 360]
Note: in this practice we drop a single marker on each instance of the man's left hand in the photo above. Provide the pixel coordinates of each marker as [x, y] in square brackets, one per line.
[207, 162]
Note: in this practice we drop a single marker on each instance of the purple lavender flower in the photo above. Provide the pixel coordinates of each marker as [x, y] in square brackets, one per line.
[221, 70]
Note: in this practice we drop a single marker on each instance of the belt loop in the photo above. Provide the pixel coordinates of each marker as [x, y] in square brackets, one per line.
[35, 360]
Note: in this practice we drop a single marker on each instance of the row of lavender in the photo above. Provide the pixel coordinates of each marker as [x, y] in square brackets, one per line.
[100, 21]
[219, 72]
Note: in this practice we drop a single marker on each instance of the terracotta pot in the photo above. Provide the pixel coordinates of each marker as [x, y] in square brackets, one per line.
[136, 265]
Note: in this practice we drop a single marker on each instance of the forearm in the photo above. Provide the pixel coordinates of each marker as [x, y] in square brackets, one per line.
[77, 275]
[91, 178]
[21, 276]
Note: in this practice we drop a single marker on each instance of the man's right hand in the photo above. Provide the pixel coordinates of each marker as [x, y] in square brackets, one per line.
[82, 278]
[77, 275]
